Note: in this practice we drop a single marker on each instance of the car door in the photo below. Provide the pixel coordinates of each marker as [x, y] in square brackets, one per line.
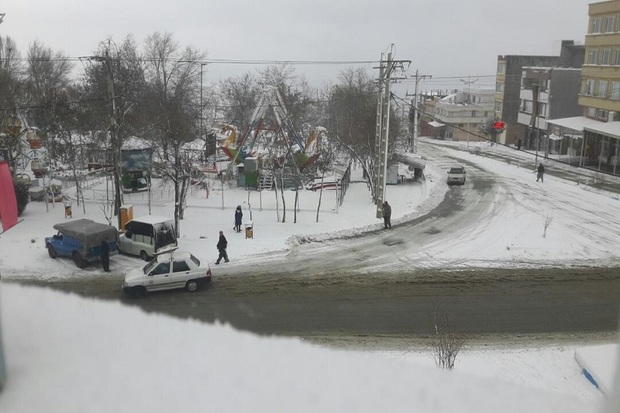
[159, 277]
[180, 273]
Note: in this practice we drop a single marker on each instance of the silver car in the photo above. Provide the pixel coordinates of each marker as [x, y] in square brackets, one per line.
[167, 271]
[456, 175]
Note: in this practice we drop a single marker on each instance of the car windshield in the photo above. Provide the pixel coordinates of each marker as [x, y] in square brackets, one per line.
[148, 267]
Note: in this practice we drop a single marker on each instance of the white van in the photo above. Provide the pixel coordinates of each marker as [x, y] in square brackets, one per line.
[147, 235]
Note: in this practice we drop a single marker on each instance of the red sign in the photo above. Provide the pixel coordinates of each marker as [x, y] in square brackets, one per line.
[498, 125]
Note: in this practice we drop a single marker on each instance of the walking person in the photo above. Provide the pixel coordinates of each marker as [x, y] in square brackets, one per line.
[221, 247]
[541, 173]
[105, 256]
[387, 214]
[238, 218]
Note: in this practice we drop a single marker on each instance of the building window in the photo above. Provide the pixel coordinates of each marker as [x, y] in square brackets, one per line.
[542, 110]
[499, 87]
[498, 106]
[609, 24]
[593, 56]
[501, 68]
[603, 114]
[596, 25]
[617, 59]
[602, 89]
[591, 113]
[615, 90]
[589, 87]
[473, 113]
[526, 106]
[606, 56]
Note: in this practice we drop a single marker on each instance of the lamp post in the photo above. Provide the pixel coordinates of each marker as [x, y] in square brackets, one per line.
[468, 82]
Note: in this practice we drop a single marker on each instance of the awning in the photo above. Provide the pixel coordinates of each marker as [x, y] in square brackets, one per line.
[577, 123]
[611, 129]
[554, 137]
[435, 124]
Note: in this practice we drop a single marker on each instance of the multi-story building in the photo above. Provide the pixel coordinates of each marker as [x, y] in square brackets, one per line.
[508, 84]
[595, 136]
[554, 92]
[457, 116]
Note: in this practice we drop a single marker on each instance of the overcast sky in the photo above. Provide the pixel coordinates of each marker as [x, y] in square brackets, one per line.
[442, 38]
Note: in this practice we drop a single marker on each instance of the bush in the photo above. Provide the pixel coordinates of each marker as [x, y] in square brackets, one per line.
[21, 193]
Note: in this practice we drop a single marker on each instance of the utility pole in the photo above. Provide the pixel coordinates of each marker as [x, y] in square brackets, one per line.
[468, 82]
[382, 129]
[414, 104]
[534, 121]
[114, 138]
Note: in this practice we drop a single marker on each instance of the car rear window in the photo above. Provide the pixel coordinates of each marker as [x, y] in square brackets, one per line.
[180, 266]
[456, 170]
[196, 260]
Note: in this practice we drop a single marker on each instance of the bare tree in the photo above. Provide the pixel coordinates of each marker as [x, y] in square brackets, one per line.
[11, 85]
[173, 75]
[447, 343]
[239, 96]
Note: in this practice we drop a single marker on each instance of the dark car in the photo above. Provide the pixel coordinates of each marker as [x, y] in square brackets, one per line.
[81, 240]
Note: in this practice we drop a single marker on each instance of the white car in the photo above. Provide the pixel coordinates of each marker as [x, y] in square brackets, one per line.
[456, 175]
[167, 271]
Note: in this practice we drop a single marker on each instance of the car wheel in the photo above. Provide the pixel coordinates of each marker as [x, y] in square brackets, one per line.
[51, 251]
[139, 292]
[77, 259]
[144, 255]
[191, 286]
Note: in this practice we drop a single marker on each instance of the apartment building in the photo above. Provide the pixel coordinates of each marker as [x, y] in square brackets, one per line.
[596, 134]
[458, 115]
[547, 93]
[509, 84]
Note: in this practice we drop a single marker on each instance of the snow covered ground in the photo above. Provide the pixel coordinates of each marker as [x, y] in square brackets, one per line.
[77, 354]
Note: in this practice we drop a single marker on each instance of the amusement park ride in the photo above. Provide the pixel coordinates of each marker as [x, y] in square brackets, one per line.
[263, 140]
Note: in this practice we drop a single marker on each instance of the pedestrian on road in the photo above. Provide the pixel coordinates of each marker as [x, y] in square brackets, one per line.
[238, 218]
[519, 145]
[541, 173]
[221, 247]
[387, 214]
[105, 256]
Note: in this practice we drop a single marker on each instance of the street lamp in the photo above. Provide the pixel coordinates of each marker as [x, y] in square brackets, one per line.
[468, 82]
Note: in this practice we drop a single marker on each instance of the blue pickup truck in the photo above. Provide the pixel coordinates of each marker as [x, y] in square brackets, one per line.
[81, 240]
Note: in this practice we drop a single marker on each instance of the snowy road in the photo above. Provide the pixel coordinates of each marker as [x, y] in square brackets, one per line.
[478, 225]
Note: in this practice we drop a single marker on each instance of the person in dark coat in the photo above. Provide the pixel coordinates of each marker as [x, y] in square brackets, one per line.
[519, 145]
[238, 218]
[221, 247]
[387, 214]
[541, 172]
[105, 256]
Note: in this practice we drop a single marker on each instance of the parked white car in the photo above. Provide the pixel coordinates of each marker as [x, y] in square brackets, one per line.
[167, 271]
[145, 236]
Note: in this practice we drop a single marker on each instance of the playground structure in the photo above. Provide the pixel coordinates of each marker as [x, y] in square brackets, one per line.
[263, 140]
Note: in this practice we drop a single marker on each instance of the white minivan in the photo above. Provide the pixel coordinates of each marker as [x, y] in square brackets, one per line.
[146, 236]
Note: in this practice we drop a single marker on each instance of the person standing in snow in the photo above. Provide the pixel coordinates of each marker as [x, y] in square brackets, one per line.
[221, 247]
[387, 214]
[238, 218]
[541, 172]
